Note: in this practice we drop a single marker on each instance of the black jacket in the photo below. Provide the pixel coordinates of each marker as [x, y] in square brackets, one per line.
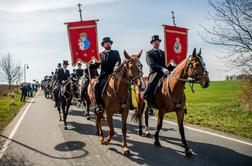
[93, 73]
[108, 62]
[156, 60]
[62, 76]
[79, 72]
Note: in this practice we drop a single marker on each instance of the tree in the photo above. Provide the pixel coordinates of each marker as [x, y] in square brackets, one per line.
[232, 30]
[10, 72]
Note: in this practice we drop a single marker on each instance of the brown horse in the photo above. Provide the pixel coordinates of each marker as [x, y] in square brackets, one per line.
[171, 97]
[117, 96]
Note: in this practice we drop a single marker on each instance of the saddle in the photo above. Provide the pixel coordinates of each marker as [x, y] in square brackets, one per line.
[159, 85]
[104, 85]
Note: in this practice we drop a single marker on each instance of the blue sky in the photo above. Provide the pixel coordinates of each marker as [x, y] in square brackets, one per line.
[34, 33]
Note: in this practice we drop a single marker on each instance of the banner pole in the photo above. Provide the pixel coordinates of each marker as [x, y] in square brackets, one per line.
[173, 18]
[87, 64]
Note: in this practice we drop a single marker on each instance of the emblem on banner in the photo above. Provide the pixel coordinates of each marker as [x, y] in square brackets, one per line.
[83, 42]
[177, 46]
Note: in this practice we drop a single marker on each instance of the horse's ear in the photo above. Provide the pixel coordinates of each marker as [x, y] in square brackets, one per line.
[194, 52]
[199, 53]
[126, 55]
[139, 54]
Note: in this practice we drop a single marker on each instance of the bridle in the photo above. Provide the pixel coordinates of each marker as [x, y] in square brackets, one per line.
[129, 80]
[72, 91]
[189, 66]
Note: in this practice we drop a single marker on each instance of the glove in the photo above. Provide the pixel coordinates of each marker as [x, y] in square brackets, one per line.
[165, 71]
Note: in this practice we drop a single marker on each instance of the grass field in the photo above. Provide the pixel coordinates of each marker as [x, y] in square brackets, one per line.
[8, 110]
[217, 107]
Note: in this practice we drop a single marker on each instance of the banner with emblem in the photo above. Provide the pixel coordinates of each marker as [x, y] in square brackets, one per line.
[83, 41]
[175, 42]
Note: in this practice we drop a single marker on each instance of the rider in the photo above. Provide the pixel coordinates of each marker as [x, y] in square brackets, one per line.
[57, 69]
[79, 71]
[63, 73]
[155, 58]
[110, 59]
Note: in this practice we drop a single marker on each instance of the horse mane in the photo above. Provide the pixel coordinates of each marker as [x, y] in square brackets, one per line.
[179, 66]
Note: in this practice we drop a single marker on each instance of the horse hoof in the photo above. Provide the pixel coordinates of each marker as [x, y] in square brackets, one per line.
[148, 135]
[65, 127]
[88, 117]
[157, 144]
[60, 120]
[188, 152]
[106, 142]
[126, 152]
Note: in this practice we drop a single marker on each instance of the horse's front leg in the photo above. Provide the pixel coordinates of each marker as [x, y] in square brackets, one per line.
[126, 150]
[146, 115]
[58, 108]
[63, 106]
[111, 128]
[88, 109]
[180, 119]
[159, 127]
[98, 126]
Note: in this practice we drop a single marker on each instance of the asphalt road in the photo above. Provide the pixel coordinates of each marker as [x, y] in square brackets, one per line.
[40, 139]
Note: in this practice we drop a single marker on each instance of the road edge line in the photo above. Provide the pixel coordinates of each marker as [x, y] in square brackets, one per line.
[14, 130]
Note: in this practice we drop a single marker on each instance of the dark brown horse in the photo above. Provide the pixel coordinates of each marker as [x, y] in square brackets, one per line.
[171, 97]
[68, 90]
[117, 96]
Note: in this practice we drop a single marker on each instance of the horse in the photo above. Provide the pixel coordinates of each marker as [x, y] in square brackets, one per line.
[141, 104]
[116, 96]
[68, 90]
[47, 88]
[171, 96]
[87, 102]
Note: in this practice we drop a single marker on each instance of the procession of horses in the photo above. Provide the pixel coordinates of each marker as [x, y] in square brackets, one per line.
[115, 90]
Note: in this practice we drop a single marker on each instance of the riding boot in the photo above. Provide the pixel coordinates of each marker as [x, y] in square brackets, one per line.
[99, 107]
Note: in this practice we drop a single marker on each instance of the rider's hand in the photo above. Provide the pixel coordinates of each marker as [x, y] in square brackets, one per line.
[165, 71]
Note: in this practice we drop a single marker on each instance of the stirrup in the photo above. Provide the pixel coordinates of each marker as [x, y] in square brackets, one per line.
[99, 108]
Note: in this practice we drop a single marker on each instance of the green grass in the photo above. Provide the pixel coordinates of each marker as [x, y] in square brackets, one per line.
[8, 110]
[217, 107]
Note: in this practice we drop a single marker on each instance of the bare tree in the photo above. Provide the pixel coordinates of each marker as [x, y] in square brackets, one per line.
[232, 30]
[10, 72]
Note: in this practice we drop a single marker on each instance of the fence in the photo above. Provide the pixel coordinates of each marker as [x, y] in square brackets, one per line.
[7, 88]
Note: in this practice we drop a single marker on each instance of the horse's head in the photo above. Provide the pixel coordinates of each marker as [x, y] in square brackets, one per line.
[74, 86]
[197, 69]
[134, 69]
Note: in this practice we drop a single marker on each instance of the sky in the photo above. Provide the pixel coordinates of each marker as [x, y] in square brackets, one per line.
[33, 31]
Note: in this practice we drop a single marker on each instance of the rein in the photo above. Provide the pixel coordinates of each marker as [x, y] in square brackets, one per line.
[116, 75]
[71, 92]
[190, 80]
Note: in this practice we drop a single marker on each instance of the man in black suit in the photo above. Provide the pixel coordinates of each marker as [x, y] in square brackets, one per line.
[79, 71]
[155, 58]
[63, 73]
[110, 59]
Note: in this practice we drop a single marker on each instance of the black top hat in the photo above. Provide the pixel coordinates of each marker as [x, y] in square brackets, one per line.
[79, 64]
[154, 38]
[59, 64]
[106, 39]
[65, 62]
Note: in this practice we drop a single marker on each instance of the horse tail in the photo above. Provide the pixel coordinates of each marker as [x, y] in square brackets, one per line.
[137, 115]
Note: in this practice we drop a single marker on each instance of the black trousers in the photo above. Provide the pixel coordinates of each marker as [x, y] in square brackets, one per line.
[23, 96]
[152, 86]
[97, 89]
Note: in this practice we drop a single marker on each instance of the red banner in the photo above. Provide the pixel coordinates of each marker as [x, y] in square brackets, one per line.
[175, 44]
[83, 41]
